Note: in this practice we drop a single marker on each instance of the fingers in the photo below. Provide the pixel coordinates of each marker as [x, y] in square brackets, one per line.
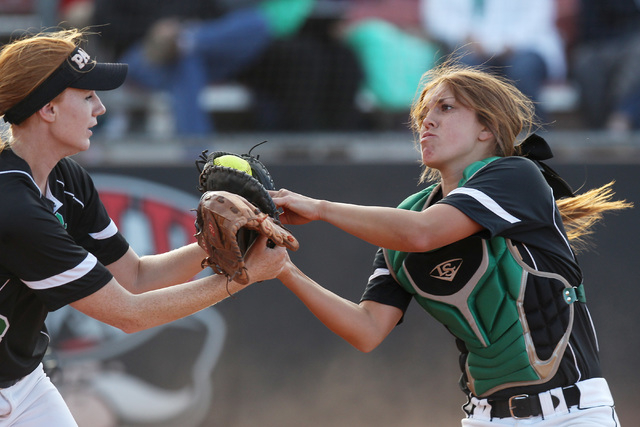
[259, 245]
[263, 262]
[279, 192]
[295, 208]
[278, 195]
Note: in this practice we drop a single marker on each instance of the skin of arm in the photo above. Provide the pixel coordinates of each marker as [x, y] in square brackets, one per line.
[391, 228]
[363, 325]
[164, 302]
[142, 274]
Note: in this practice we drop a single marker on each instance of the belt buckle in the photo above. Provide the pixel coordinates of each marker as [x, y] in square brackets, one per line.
[513, 406]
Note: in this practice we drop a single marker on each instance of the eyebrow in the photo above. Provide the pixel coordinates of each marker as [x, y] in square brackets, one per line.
[445, 98]
[438, 101]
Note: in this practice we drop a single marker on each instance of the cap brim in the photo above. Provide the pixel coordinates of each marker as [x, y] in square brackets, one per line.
[104, 76]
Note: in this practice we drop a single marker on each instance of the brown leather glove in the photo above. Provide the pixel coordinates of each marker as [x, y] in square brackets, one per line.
[222, 219]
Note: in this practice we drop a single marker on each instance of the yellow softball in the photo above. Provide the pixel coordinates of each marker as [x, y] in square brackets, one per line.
[235, 162]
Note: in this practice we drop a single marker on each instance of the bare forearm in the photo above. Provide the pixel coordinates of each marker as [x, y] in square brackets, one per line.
[170, 268]
[381, 226]
[116, 305]
[168, 304]
[119, 308]
[345, 318]
[400, 229]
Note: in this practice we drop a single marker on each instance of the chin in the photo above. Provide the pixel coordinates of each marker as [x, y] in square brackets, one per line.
[84, 145]
[427, 160]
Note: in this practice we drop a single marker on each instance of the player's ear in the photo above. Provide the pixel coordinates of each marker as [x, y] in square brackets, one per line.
[485, 134]
[48, 112]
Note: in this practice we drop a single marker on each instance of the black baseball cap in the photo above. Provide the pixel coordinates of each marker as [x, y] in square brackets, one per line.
[78, 71]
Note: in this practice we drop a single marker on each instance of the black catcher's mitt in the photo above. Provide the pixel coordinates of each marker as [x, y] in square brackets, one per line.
[252, 187]
[219, 218]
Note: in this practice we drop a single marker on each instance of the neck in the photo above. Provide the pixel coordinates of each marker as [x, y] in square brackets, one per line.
[452, 178]
[34, 151]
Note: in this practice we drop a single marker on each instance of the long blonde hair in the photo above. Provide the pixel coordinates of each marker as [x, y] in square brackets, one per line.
[510, 115]
[581, 212]
[27, 62]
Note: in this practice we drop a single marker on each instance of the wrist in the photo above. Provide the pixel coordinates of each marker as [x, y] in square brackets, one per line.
[287, 273]
[322, 210]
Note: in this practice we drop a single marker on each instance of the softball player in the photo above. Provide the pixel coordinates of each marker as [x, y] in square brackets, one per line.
[484, 251]
[58, 245]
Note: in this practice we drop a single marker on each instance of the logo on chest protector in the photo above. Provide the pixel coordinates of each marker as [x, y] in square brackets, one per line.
[446, 270]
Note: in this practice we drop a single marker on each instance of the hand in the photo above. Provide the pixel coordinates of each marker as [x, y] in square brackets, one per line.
[296, 208]
[264, 262]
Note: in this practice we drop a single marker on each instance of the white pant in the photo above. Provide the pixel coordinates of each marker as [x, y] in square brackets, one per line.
[596, 409]
[34, 402]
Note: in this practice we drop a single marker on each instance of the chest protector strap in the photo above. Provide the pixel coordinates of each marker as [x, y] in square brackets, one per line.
[476, 288]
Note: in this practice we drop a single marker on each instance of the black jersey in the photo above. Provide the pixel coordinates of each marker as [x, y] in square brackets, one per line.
[53, 249]
[510, 199]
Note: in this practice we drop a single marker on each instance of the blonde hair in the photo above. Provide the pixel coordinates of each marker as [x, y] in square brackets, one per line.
[27, 62]
[510, 116]
[581, 212]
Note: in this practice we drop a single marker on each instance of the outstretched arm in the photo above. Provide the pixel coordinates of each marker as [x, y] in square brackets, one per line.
[363, 325]
[113, 304]
[142, 274]
[391, 228]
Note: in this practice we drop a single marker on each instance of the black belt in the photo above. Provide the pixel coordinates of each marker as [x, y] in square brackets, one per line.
[9, 383]
[527, 406]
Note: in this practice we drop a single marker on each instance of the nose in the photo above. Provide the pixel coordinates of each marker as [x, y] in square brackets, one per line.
[99, 108]
[428, 121]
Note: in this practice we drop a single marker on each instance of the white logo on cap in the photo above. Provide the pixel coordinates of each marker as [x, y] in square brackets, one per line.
[81, 58]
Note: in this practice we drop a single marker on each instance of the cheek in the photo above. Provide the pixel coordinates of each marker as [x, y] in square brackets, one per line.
[72, 116]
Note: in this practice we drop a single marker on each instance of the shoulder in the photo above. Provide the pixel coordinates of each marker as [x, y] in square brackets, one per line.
[23, 214]
[512, 164]
[507, 172]
[72, 168]
[72, 177]
[504, 181]
[19, 191]
[15, 173]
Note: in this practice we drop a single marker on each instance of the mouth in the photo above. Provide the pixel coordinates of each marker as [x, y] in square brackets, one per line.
[426, 136]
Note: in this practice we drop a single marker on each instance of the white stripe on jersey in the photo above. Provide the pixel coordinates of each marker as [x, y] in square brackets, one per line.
[379, 272]
[66, 277]
[24, 173]
[487, 202]
[75, 199]
[109, 231]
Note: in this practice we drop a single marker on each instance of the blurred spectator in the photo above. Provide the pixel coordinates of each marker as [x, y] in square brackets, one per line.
[606, 63]
[518, 38]
[389, 40]
[310, 81]
[181, 46]
[626, 117]
[17, 6]
[75, 13]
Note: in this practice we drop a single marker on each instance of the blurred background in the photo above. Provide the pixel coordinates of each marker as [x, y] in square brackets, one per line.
[328, 83]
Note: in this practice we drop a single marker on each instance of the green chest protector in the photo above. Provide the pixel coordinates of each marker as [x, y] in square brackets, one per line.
[476, 288]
